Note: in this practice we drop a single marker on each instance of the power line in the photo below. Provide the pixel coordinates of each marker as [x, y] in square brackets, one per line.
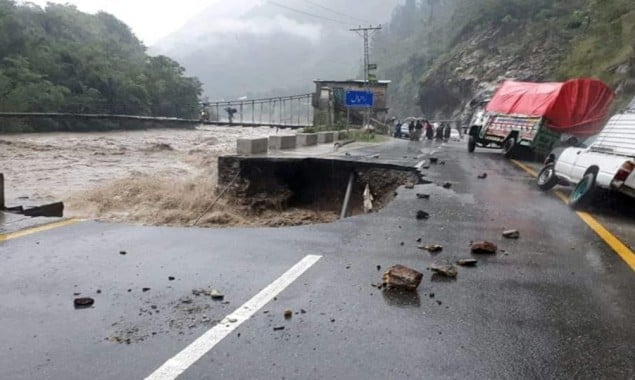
[307, 13]
[334, 11]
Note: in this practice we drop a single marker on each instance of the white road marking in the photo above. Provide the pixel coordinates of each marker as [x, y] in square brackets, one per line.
[192, 353]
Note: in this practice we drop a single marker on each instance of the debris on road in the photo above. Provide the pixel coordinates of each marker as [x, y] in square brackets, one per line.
[446, 270]
[447, 185]
[122, 252]
[216, 295]
[401, 277]
[434, 160]
[511, 234]
[482, 176]
[288, 314]
[170, 278]
[422, 215]
[145, 289]
[484, 247]
[467, 262]
[410, 185]
[378, 267]
[278, 328]
[423, 196]
[82, 303]
[434, 248]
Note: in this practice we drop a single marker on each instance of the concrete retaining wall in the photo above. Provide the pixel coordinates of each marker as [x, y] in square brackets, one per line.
[282, 142]
[325, 137]
[252, 146]
[307, 139]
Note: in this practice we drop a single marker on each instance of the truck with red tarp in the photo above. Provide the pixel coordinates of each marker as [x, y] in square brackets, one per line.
[534, 116]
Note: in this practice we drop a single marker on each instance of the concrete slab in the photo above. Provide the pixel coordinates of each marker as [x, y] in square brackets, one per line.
[252, 146]
[282, 142]
[307, 139]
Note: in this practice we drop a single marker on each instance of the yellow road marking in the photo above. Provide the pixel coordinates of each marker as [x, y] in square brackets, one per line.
[611, 240]
[34, 230]
[526, 168]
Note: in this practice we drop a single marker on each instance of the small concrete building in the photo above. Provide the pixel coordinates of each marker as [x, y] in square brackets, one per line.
[329, 101]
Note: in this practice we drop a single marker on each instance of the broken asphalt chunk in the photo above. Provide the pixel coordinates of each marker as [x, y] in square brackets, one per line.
[216, 295]
[434, 160]
[511, 234]
[82, 303]
[447, 185]
[446, 270]
[482, 176]
[288, 314]
[122, 252]
[434, 248]
[467, 262]
[278, 328]
[422, 215]
[484, 247]
[402, 277]
[423, 196]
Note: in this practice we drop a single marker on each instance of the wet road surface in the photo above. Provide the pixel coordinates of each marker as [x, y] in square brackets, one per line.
[557, 303]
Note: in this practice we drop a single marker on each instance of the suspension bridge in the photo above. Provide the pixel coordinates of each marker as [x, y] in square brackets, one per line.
[295, 111]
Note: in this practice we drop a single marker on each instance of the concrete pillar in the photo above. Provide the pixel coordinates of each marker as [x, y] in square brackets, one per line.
[252, 146]
[306, 139]
[325, 137]
[282, 142]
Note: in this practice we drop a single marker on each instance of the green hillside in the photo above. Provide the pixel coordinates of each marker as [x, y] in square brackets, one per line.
[61, 60]
[440, 54]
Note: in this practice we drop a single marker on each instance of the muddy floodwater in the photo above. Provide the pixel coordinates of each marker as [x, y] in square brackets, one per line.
[157, 177]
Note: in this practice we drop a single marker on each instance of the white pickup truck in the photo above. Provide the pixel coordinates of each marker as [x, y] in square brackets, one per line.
[608, 162]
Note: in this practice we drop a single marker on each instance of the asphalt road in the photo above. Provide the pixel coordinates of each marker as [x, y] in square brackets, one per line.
[557, 303]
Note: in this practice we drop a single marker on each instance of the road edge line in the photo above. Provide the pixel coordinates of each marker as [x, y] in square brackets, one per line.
[622, 250]
[183, 360]
[34, 230]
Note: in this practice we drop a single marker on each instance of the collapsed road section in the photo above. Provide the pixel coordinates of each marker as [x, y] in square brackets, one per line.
[55, 209]
[339, 187]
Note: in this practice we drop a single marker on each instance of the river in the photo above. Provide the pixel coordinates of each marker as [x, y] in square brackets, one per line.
[157, 177]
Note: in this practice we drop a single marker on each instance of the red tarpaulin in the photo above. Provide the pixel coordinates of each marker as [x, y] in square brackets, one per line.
[577, 107]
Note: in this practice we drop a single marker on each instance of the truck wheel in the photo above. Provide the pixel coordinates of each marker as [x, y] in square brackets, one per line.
[583, 191]
[508, 147]
[471, 144]
[547, 178]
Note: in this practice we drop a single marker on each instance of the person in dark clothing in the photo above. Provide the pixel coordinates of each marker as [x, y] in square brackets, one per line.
[439, 132]
[418, 129]
[429, 130]
[411, 130]
[447, 131]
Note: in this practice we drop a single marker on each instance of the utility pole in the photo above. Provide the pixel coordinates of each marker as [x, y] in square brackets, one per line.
[365, 33]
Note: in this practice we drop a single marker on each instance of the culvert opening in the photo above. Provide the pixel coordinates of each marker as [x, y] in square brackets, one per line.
[275, 186]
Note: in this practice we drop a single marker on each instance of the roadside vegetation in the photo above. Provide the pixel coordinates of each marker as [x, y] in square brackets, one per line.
[58, 59]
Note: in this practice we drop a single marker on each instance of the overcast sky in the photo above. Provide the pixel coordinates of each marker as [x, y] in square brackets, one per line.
[150, 20]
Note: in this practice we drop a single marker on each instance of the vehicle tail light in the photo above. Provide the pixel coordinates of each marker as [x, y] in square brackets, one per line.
[622, 174]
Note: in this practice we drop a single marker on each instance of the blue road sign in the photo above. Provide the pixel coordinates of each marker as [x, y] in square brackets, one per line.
[359, 99]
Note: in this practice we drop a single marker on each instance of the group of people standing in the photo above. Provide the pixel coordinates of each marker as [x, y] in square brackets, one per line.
[416, 127]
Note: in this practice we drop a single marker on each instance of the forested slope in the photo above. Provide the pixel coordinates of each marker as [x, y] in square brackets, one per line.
[61, 60]
[441, 54]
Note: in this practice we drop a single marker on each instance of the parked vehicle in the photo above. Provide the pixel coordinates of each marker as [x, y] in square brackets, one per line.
[608, 163]
[534, 115]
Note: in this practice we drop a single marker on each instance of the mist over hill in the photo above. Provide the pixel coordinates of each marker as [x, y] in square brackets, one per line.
[260, 48]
